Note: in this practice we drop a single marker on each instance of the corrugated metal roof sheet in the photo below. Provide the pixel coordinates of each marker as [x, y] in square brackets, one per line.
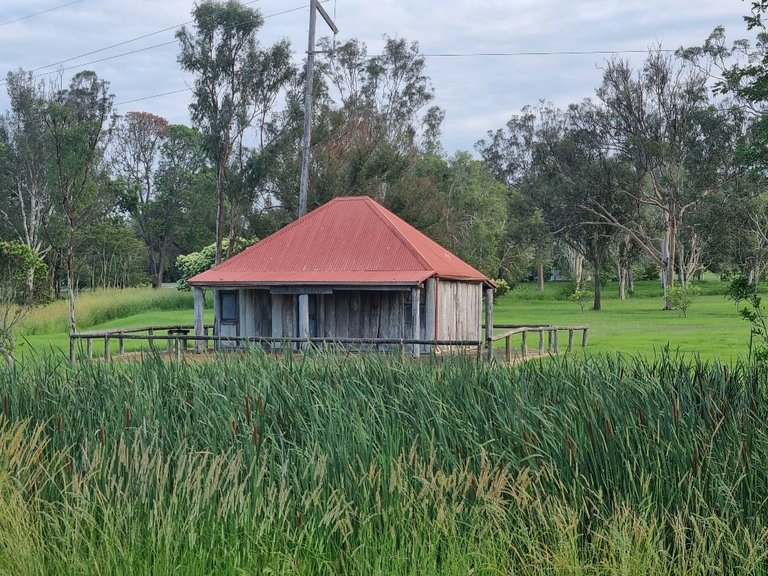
[349, 240]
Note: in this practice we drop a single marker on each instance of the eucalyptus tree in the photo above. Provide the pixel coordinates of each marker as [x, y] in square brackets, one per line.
[465, 209]
[135, 155]
[16, 298]
[78, 122]
[182, 214]
[508, 152]
[652, 116]
[370, 114]
[235, 85]
[29, 203]
[574, 174]
[741, 74]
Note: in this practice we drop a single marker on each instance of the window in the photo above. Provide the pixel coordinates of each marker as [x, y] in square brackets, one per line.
[229, 306]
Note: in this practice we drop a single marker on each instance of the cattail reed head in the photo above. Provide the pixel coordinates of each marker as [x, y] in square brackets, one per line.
[695, 461]
[676, 411]
[571, 450]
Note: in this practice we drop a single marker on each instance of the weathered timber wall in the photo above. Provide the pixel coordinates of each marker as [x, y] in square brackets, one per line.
[460, 305]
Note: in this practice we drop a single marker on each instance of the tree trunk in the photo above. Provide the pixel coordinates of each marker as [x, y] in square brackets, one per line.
[71, 288]
[578, 270]
[598, 302]
[622, 278]
[668, 257]
[220, 170]
[541, 277]
[155, 269]
[157, 282]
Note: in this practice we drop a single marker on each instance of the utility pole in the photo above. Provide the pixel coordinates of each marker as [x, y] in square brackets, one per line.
[314, 8]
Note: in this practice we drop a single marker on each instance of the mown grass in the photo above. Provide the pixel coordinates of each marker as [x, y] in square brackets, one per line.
[373, 465]
[46, 329]
[639, 324]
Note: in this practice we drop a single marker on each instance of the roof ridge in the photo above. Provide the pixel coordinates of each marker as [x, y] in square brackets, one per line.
[378, 210]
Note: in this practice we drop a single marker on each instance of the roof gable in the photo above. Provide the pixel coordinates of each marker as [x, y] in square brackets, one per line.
[348, 240]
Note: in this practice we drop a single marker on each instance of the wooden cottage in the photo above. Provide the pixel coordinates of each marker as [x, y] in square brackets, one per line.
[349, 270]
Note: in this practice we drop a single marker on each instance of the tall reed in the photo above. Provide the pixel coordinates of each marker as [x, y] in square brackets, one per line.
[368, 464]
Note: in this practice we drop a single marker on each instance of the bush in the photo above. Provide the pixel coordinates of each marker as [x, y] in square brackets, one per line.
[740, 288]
[581, 297]
[194, 263]
[502, 288]
[681, 297]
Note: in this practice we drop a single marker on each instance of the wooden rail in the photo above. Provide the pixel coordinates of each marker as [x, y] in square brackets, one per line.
[179, 337]
[176, 337]
[552, 333]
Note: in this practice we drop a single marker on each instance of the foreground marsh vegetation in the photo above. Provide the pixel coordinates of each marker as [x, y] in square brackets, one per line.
[373, 465]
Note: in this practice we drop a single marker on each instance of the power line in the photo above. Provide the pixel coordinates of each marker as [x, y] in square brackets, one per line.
[465, 55]
[113, 57]
[152, 96]
[39, 13]
[129, 41]
[538, 53]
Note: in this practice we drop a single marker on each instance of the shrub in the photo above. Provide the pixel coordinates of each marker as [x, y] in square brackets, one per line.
[194, 263]
[581, 297]
[740, 288]
[681, 297]
[502, 287]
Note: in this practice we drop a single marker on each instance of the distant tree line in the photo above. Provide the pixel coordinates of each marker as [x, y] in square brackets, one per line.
[660, 174]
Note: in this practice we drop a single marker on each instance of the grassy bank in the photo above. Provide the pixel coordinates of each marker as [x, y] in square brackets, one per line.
[373, 465]
[46, 329]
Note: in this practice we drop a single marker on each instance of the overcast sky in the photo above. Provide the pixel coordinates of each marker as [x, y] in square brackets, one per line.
[478, 93]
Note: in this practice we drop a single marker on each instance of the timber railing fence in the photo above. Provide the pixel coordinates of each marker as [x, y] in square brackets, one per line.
[180, 339]
[508, 331]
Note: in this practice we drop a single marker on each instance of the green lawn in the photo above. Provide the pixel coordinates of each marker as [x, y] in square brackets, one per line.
[46, 329]
[637, 325]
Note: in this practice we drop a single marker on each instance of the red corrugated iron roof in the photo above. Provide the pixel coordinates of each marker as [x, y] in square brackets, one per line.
[349, 240]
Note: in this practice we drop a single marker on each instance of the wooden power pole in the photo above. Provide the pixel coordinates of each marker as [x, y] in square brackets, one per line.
[314, 8]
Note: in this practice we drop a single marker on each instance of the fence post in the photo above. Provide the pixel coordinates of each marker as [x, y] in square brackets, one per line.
[120, 345]
[89, 347]
[541, 341]
[106, 347]
[508, 348]
[584, 338]
[554, 340]
[570, 339]
[524, 345]
[151, 333]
